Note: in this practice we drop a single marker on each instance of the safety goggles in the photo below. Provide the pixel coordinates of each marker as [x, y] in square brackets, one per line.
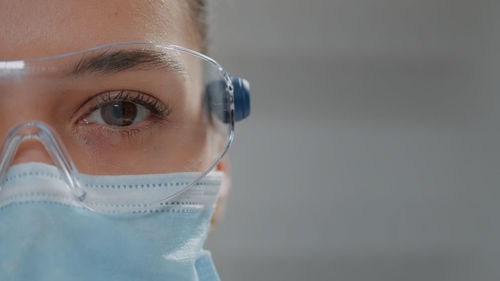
[121, 109]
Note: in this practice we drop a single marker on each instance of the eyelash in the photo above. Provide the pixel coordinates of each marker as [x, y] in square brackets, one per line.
[151, 103]
[159, 114]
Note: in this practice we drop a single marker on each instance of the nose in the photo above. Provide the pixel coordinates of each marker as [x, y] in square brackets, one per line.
[25, 143]
[32, 151]
[35, 141]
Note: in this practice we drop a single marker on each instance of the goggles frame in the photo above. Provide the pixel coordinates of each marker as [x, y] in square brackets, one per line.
[235, 107]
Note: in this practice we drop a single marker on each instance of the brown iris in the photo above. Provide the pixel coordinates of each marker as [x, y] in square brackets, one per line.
[119, 113]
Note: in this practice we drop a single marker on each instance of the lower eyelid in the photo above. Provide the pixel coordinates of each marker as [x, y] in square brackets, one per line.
[104, 135]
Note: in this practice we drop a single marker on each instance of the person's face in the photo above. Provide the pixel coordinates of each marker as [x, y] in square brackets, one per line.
[40, 28]
[30, 29]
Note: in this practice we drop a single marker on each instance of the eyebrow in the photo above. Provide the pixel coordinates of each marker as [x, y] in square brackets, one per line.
[109, 62]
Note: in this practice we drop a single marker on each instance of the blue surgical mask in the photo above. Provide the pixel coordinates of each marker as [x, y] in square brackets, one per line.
[46, 235]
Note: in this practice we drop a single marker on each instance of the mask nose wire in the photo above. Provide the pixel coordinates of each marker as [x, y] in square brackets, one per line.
[42, 133]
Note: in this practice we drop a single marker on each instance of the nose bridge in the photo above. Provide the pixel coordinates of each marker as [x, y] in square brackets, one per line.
[24, 98]
[30, 149]
[35, 141]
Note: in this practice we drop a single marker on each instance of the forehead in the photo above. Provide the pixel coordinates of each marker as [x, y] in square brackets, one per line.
[37, 28]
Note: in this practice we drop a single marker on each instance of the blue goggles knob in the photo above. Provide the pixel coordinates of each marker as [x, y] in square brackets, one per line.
[219, 100]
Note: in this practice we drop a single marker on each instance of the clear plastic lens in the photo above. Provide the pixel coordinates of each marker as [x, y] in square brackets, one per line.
[126, 109]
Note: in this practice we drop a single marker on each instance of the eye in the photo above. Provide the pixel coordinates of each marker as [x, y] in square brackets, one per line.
[119, 114]
[124, 108]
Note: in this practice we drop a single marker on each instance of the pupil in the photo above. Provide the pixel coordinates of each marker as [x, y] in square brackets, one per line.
[119, 113]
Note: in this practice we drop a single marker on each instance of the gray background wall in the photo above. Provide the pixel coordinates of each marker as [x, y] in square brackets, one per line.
[372, 152]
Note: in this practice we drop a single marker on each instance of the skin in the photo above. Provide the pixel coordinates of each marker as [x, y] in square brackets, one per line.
[42, 28]
[47, 27]
[30, 29]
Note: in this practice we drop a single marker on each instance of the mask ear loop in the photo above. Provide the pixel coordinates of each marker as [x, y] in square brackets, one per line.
[52, 145]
